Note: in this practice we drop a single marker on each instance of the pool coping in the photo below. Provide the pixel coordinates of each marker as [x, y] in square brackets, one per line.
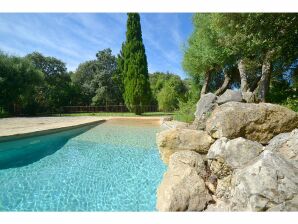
[5, 138]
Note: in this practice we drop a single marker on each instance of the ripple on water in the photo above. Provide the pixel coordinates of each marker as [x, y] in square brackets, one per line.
[107, 168]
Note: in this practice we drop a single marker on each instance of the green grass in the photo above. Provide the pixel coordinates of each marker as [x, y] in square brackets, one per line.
[3, 114]
[188, 118]
[115, 114]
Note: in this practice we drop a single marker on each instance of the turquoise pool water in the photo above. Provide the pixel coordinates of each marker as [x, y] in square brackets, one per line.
[108, 167]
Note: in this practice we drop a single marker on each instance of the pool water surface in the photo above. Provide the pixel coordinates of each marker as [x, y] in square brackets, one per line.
[108, 167]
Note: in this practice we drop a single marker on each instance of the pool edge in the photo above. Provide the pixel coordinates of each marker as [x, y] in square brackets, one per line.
[47, 131]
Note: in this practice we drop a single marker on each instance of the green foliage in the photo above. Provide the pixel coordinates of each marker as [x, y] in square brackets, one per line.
[19, 83]
[57, 89]
[204, 52]
[137, 90]
[220, 40]
[292, 103]
[95, 80]
[167, 90]
[187, 107]
[167, 99]
[186, 111]
[118, 74]
[118, 114]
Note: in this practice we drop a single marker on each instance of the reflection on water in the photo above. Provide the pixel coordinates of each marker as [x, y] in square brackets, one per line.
[22, 152]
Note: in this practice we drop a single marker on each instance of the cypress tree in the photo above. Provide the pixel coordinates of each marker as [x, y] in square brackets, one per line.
[137, 92]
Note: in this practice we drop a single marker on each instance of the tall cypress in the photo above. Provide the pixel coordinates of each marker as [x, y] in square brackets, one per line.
[137, 92]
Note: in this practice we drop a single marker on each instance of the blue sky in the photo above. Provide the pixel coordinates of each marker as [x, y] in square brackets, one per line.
[75, 38]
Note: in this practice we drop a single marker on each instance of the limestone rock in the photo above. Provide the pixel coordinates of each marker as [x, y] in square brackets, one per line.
[184, 159]
[176, 139]
[219, 206]
[235, 153]
[256, 122]
[223, 189]
[174, 124]
[219, 168]
[204, 107]
[248, 97]
[288, 206]
[228, 96]
[182, 187]
[167, 118]
[286, 146]
[266, 182]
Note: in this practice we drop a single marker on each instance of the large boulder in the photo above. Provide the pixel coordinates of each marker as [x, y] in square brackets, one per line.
[235, 153]
[174, 124]
[288, 206]
[228, 96]
[183, 187]
[204, 107]
[268, 181]
[257, 122]
[286, 146]
[176, 139]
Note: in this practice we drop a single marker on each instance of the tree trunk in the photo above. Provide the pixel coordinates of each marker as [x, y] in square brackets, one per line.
[243, 76]
[263, 87]
[206, 83]
[225, 84]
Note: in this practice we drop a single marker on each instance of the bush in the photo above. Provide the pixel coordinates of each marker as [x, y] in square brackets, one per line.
[291, 103]
[185, 112]
[167, 99]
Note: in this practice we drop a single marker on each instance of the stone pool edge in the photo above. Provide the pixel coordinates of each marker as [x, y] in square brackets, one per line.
[5, 138]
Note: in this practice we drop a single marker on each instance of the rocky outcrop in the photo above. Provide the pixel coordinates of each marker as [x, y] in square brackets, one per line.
[257, 122]
[176, 139]
[288, 206]
[228, 96]
[252, 166]
[265, 183]
[286, 146]
[235, 153]
[174, 124]
[209, 102]
[183, 187]
[204, 107]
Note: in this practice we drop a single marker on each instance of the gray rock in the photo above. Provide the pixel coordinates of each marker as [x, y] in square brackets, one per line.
[256, 122]
[286, 146]
[223, 190]
[228, 96]
[288, 206]
[174, 124]
[266, 182]
[184, 159]
[235, 153]
[176, 139]
[219, 206]
[182, 187]
[204, 107]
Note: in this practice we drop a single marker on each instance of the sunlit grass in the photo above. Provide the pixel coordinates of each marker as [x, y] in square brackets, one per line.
[115, 114]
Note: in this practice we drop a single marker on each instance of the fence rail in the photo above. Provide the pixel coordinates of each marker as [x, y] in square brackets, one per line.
[107, 108]
[18, 111]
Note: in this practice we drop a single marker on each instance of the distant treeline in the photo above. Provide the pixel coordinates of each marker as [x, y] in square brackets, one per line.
[256, 53]
[39, 84]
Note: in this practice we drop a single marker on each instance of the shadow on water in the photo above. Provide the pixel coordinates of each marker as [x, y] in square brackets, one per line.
[21, 152]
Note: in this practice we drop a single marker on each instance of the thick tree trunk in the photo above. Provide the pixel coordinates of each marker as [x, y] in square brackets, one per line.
[263, 88]
[206, 83]
[243, 76]
[225, 84]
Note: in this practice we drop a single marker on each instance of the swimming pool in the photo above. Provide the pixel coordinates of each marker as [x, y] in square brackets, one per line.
[108, 167]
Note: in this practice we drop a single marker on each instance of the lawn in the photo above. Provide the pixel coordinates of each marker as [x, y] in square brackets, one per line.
[120, 114]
